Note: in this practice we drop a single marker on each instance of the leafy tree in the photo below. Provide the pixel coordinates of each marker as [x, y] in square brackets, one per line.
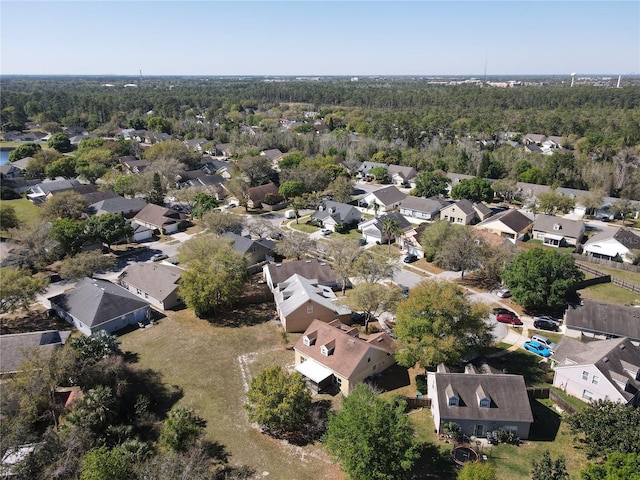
[102, 463]
[181, 429]
[341, 189]
[90, 171]
[69, 234]
[547, 469]
[343, 254]
[239, 187]
[203, 203]
[475, 189]
[60, 142]
[98, 345]
[431, 184]
[591, 200]
[278, 400]
[552, 202]
[291, 189]
[8, 217]
[505, 188]
[435, 237]
[25, 150]
[255, 169]
[477, 471]
[622, 207]
[373, 299]
[63, 167]
[618, 466]
[391, 229]
[156, 195]
[68, 204]
[18, 289]
[438, 324]
[374, 267]
[380, 174]
[95, 410]
[295, 245]
[171, 149]
[33, 242]
[36, 166]
[159, 124]
[8, 193]
[108, 228]
[371, 437]
[214, 278]
[492, 262]
[606, 427]
[85, 264]
[541, 278]
[218, 222]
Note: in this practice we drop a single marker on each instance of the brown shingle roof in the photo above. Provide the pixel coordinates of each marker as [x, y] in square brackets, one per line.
[310, 269]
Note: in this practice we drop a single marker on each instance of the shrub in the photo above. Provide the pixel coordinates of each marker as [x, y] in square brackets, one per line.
[421, 384]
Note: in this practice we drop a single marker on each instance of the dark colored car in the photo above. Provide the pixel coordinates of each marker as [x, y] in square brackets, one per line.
[507, 318]
[362, 241]
[410, 258]
[543, 324]
[498, 311]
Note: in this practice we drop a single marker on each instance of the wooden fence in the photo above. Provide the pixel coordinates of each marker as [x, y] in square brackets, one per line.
[418, 402]
[607, 263]
[558, 400]
[603, 278]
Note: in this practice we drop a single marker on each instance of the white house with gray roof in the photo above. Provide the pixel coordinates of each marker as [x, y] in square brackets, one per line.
[558, 231]
[419, 209]
[387, 198]
[612, 244]
[333, 214]
[95, 305]
[603, 320]
[154, 283]
[605, 369]
[373, 230]
[256, 251]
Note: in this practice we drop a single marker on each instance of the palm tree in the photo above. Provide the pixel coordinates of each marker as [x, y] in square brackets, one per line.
[391, 229]
[376, 207]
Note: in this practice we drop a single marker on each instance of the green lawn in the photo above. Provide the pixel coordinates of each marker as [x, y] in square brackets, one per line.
[610, 293]
[213, 365]
[26, 211]
[626, 275]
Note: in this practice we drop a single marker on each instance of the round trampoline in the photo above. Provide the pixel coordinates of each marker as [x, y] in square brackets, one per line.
[462, 455]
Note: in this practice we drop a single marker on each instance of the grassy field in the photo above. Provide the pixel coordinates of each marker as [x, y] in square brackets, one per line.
[610, 293]
[26, 211]
[213, 365]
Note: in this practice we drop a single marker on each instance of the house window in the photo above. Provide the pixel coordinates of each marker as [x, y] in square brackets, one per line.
[485, 403]
[595, 379]
[453, 402]
[138, 291]
[338, 381]
[587, 395]
[585, 376]
[309, 308]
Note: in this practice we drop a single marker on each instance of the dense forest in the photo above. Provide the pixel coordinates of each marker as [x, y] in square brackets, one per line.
[397, 120]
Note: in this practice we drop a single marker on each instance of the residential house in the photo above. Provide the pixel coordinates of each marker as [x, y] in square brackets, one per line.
[155, 217]
[603, 320]
[456, 178]
[95, 305]
[212, 183]
[258, 194]
[133, 164]
[480, 402]
[15, 348]
[558, 231]
[366, 167]
[127, 207]
[420, 209]
[509, 224]
[401, 175]
[275, 273]
[211, 166]
[196, 144]
[154, 283]
[42, 190]
[612, 244]
[22, 163]
[274, 155]
[224, 149]
[532, 148]
[534, 139]
[141, 233]
[373, 230]
[604, 369]
[256, 251]
[387, 199]
[300, 301]
[529, 191]
[9, 170]
[335, 214]
[463, 212]
[332, 354]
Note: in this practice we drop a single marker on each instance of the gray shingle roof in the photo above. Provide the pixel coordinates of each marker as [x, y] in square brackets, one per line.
[94, 302]
[428, 205]
[311, 269]
[622, 235]
[389, 195]
[245, 244]
[511, 218]
[14, 348]
[336, 210]
[568, 228]
[117, 205]
[156, 279]
[605, 319]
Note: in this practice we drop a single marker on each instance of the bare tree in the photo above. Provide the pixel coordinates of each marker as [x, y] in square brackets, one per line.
[461, 252]
[261, 227]
[295, 245]
[374, 267]
[343, 254]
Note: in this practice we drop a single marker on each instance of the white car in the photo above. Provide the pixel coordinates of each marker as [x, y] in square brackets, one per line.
[503, 293]
[159, 256]
[325, 232]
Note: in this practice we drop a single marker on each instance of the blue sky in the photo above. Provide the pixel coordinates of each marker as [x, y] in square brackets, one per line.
[355, 38]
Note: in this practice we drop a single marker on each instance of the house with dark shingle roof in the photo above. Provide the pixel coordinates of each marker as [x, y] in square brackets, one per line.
[558, 231]
[387, 198]
[127, 207]
[15, 348]
[332, 214]
[275, 273]
[373, 229]
[605, 369]
[400, 174]
[480, 402]
[153, 282]
[366, 167]
[332, 355]
[509, 224]
[612, 244]
[421, 208]
[155, 217]
[603, 320]
[95, 305]
[256, 251]
[258, 194]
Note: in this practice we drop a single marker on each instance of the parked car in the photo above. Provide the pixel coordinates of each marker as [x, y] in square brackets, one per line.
[410, 258]
[508, 318]
[537, 348]
[405, 290]
[499, 310]
[159, 256]
[325, 232]
[503, 293]
[362, 241]
[542, 340]
[542, 324]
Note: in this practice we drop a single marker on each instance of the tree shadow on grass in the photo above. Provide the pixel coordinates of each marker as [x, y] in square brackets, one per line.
[243, 315]
[392, 378]
[546, 423]
[522, 363]
[434, 464]
[312, 431]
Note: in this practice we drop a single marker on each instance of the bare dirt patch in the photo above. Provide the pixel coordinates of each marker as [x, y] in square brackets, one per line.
[33, 320]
